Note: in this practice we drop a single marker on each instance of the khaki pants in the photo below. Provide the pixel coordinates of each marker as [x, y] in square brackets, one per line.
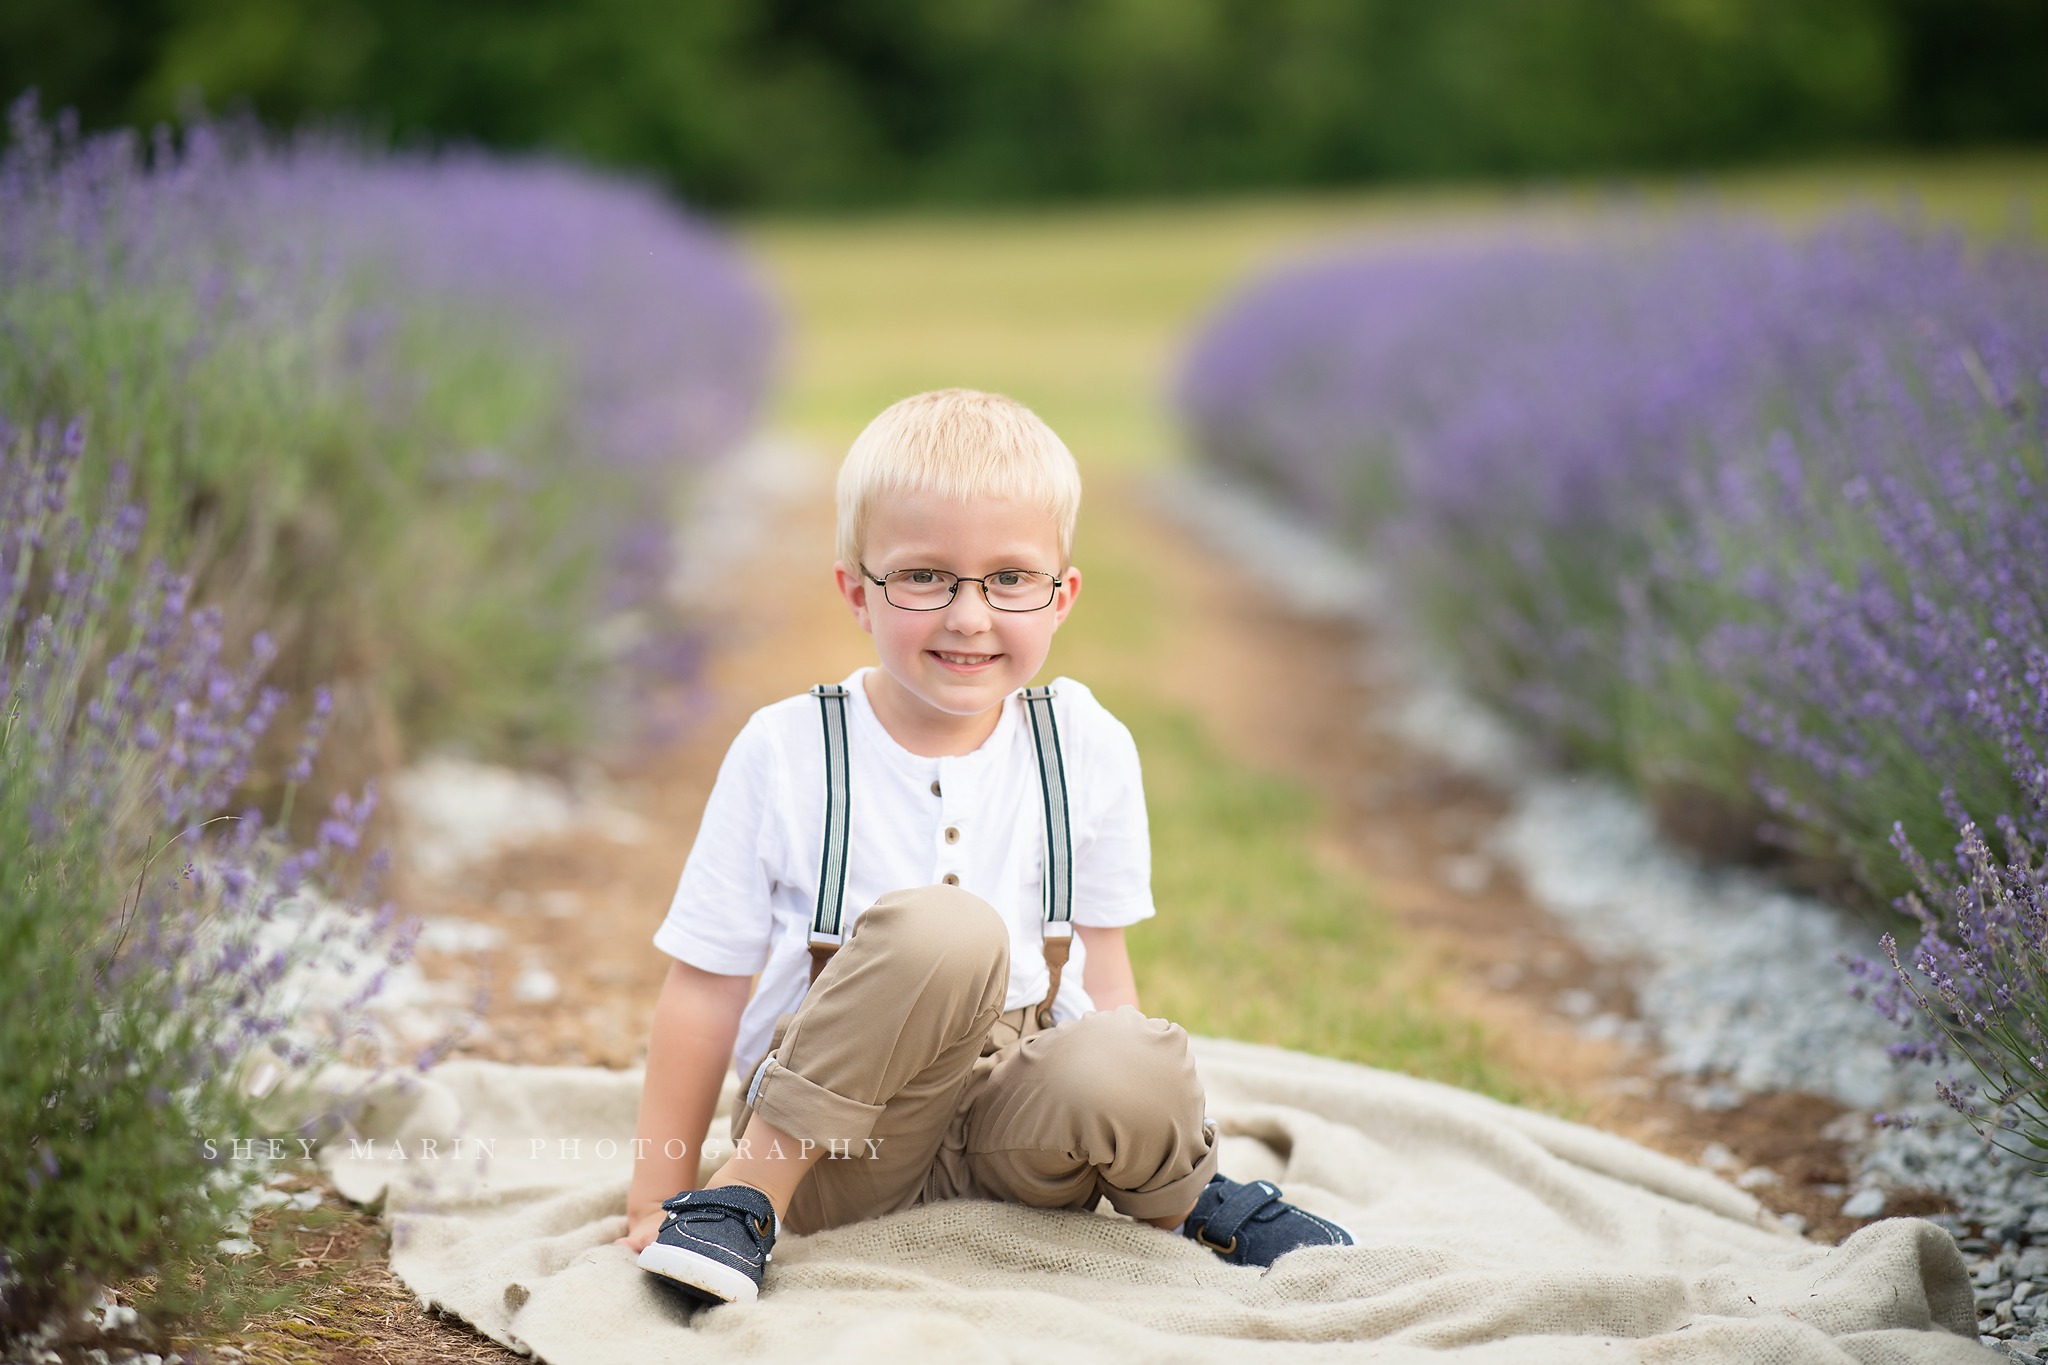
[902, 1058]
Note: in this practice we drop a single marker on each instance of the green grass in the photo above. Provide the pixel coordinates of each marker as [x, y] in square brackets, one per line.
[1258, 937]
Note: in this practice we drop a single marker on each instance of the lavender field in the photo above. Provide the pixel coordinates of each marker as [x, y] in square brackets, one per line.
[299, 444]
[317, 459]
[355, 395]
[1753, 519]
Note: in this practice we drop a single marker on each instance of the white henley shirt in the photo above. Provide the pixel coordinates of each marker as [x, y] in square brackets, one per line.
[751, 881]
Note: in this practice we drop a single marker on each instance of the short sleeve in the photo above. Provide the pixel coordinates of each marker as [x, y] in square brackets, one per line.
[722, 918]
[1113, 856]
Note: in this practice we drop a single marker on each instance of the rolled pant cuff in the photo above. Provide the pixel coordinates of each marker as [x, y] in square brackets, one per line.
[804, 1109]
[1169, 1200]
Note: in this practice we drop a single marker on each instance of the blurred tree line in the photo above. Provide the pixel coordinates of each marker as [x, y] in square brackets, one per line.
[812, 102]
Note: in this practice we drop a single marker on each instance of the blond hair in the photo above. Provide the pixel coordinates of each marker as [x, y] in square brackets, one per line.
[959, 444]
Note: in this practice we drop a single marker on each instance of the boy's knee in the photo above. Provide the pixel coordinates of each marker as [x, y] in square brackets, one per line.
[942, 923]
[1116, 1059]
[1131, 1038]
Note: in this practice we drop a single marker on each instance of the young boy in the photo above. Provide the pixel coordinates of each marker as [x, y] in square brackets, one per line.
[931, 869]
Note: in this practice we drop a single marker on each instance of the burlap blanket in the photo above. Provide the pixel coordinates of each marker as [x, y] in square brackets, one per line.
[1485, 1233]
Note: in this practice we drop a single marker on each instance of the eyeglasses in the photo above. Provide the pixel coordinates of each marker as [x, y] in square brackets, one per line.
[931, 589]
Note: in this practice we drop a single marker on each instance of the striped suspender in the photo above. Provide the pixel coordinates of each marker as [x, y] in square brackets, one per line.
[1059, 842]
[827, 926]
[827, 921]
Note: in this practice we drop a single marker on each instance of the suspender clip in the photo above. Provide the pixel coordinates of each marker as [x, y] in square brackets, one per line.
[823, 945]
[1059, 943]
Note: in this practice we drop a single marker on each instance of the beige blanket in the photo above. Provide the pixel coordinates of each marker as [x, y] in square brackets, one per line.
[1485, 1234]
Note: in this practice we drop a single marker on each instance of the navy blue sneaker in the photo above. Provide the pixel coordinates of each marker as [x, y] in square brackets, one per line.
[1252, 1225]
[715, 1244]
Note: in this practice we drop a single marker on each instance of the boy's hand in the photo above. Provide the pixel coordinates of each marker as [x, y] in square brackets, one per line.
[642, 1225]
[688, 1052]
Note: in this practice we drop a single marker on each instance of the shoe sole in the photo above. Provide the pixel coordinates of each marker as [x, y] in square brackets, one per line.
[721, 1283]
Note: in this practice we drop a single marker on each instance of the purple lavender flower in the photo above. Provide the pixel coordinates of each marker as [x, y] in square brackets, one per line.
[1974, 989]
[291, 333]
[1711, 503]
[157, 950]
[309, 739]
[1702, 502]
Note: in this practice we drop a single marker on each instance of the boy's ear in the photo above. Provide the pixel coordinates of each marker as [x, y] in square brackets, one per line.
[1070, 588]
[853, 586]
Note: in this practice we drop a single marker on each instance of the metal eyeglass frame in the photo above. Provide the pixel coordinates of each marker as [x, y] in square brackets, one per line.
[958, 579]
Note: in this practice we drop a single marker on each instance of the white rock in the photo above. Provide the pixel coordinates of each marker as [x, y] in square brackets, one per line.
[561, 904]
[458, 813]
[618, 826]
[455, 935]
[1606, 1027]
[737, 504]
[1577, 1003]
[1313, 575]
[535, 985]
[1865, 1203]
[1440, 719]
[1465, 873]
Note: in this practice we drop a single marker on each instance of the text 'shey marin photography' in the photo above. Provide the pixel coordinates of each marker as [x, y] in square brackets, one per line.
[538, 1149]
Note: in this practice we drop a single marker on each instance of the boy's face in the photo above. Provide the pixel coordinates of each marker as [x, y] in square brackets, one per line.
[964, 658]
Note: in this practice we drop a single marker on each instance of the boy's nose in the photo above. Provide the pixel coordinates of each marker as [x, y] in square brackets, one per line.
[968, 613]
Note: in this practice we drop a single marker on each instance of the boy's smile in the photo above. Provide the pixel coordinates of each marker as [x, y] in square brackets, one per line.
[946, 672]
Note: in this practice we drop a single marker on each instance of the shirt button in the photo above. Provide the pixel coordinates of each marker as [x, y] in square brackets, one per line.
[952, 835]
[951, 879]
[935, 789]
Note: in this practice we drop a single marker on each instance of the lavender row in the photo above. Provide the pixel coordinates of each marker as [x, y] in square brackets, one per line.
[1752, 519]
[274, 415]
[424, 417]
[162, 952]
[1721, 508]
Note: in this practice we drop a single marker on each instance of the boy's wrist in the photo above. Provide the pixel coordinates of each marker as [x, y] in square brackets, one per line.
[639, 1211]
